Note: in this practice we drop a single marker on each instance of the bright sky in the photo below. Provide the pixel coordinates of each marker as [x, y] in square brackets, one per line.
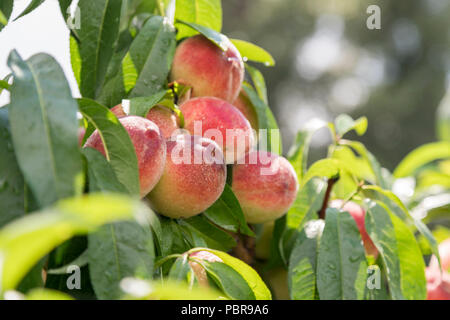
[43, 30]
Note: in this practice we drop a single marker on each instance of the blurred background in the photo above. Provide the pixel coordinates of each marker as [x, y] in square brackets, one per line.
[328, 62]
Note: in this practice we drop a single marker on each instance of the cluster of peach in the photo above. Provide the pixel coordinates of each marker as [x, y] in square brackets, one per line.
[176, 189]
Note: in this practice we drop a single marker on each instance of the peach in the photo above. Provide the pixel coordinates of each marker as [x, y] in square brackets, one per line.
[220, 121]
[208, 69]
[150, 147]
[245, 106]
[444, 253]
[358, 213]
[81, 133]
[163, 117]
[194, 177]
[438, 285]
[266, 186]
[199, 271]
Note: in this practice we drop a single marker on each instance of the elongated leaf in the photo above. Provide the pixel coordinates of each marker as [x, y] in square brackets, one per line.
[253, 279]
[303, 262]
[308, 202]
[400, 252]
[270, 141]
[229, 280]
[98, 33]
[151, 54]
[397, 207]
[24, 241]
[181, 269]
[207, 13]
[344, 123]
[116, 251]
[226, 212]
[421, 156]
[328, 168]
[217, 38]
[44, 126]
[298, 154]
[101, 174]
[211, 236]
[258, 82]
[12, 186]
[373, 162]
[6, 7]
[119, 148]
[31, 7]
[341, 262]
[141, 106]
[250, 51]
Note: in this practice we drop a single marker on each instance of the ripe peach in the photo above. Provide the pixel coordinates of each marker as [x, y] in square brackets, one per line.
[194, 177]
[438, 285]
[444, 253]
[208, 69]
[245, 106]
[220, 121]
[358, 213]
[266, 186]
[149, 145]
[199, 271]
[163, 117]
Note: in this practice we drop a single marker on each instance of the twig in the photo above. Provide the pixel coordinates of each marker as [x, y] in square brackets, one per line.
[322, 210]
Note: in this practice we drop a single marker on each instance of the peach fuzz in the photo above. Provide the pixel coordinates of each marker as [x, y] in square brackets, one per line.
[244, 105]
[189, 186]
[358, 214]
[150, 147]
[208, 69]
[221, 122]
[438, 280]
[266, 186]
[163, 117]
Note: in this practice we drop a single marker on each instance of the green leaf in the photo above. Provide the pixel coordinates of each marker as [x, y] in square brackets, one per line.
[298, 154]
[44, 128]
[24, 241]
[180, 269]
[75, 59]
[141, 106]
[47, 294]
[212, 236]
[307, 203]
[370, 158]
[229, 281]
[252, 52]
[272, 140]
[80, 261]
[151, 53]
[397, 207]
[101, 174]
[12, 186]
[258, 82]
[119, 148]
[400, 253]
[6, 8]
[207, 13]
[253, 279]
[325, 168]
[421, 156]
[303, 262]
[226, 212]
[344, 123]
[341, 261]
[98, 34]
[116, 251]
[31, 7]
[217, 38]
